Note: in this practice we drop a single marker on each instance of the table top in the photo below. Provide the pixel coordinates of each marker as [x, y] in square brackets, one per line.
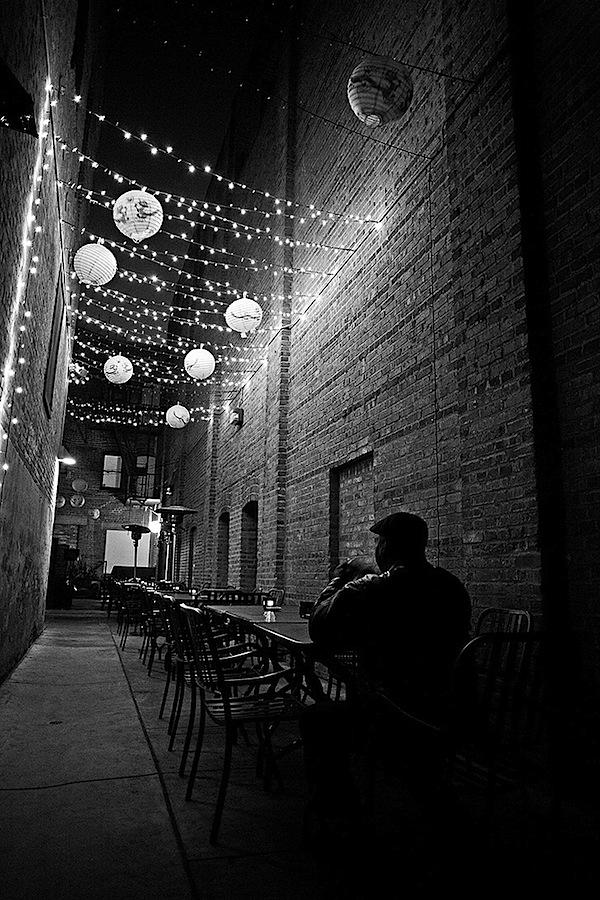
[287, 627]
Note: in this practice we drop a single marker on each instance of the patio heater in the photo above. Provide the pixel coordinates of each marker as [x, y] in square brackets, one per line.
[173, 518]
[136, 531]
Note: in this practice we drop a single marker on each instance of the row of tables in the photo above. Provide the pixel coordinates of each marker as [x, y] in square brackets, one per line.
[283, 629]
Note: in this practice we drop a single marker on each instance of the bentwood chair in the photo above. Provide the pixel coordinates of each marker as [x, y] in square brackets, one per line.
[494, 735]
[233, 653]
[154, 637]
[499, 618]
[132, 610]
[234, 700]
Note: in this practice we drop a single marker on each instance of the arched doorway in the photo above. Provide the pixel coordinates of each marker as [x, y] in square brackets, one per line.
[223, 550]
[249, 546]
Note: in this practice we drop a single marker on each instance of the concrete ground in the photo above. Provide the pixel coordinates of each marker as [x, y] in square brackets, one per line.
[93, 806]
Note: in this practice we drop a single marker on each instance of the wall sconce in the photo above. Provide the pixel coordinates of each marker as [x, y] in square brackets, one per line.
[64, 457]
[236, 417]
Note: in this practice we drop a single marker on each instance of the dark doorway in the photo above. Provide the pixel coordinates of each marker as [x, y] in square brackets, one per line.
[223, 550]
[249, 545]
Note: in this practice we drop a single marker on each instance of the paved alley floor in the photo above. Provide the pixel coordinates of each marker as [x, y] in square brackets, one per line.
[93, 805]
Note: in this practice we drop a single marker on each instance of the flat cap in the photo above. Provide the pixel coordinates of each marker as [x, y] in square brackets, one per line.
[403, 526]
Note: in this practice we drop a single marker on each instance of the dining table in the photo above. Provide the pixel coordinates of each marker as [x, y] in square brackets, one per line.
[286, 636]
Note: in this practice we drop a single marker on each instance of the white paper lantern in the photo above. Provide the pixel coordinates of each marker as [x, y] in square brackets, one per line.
[380, 90]
[118, 369]
[199, 364]
[243, 315]
[94, 264]
[177, 416]
[138, 214]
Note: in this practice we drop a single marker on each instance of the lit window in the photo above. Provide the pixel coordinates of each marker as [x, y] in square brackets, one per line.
[111, 471]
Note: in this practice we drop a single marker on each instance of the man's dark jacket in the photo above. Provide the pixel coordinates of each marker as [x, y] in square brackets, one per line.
[410, 623]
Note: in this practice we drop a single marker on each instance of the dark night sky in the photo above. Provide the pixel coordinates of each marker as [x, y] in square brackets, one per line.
[172, 71]
[168, 76]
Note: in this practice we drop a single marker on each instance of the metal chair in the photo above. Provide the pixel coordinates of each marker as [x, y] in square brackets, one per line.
[499, 618]
[233, 701]
[494, 734]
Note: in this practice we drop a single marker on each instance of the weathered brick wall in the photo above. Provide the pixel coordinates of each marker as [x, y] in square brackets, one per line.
[565, 83]
[104, 508]
[36, 49]
[422, 350]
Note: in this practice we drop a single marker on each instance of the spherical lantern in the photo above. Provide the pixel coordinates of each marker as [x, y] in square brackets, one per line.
[380, 90]
[199, 364]
[138, 215]
[177, 416]
[243, 315]
[118, 369]
[94, 264]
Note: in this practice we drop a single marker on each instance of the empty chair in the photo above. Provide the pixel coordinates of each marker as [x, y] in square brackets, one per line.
[234, 700]
[132, 610]
[499, 618]
[495, 731]
[154, 633]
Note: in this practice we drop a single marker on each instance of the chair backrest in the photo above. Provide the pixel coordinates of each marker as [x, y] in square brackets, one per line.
[205, 656]
[231, 597]
[498, 692]
[278, 595]
[500, 618]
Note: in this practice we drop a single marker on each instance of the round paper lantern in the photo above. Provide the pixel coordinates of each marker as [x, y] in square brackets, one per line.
[118, 369]
[243, 315]
[177, 416]
[94, 264]
[199, 364]
[138, 214]
[380, 90]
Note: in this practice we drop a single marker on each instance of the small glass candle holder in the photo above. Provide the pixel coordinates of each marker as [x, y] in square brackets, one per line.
[270, 605]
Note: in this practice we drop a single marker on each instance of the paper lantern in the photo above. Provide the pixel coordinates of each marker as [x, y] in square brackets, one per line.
[177, 416]
[199, 364]
[380, 90]
[243, 315]
[138, 215]
[94, 264]
[118, 369]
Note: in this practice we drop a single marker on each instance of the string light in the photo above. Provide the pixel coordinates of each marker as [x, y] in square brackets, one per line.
[15, 326]
[254, 267]
[203, 208]
[312, 209]
[219, 288]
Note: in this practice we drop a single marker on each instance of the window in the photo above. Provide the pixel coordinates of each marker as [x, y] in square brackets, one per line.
[145, 467]
[111, 471]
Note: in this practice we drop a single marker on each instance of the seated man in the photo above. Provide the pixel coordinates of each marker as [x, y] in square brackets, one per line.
[409, 623]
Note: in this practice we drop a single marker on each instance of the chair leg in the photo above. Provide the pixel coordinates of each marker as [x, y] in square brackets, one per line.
[151, 655]
[190, 728]
[168, 668]
[177, 710]
[175, 699]
[214, 833]
[198, 750]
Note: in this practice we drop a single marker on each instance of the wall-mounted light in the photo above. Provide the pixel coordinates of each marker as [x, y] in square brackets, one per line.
[65, 457]
[236, 416]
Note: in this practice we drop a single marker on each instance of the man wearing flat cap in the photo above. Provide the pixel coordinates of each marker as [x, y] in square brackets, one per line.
[410, 621]
[408, 624]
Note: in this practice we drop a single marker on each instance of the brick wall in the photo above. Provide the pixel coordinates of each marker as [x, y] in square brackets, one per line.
[36, 48]
[471, 384]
